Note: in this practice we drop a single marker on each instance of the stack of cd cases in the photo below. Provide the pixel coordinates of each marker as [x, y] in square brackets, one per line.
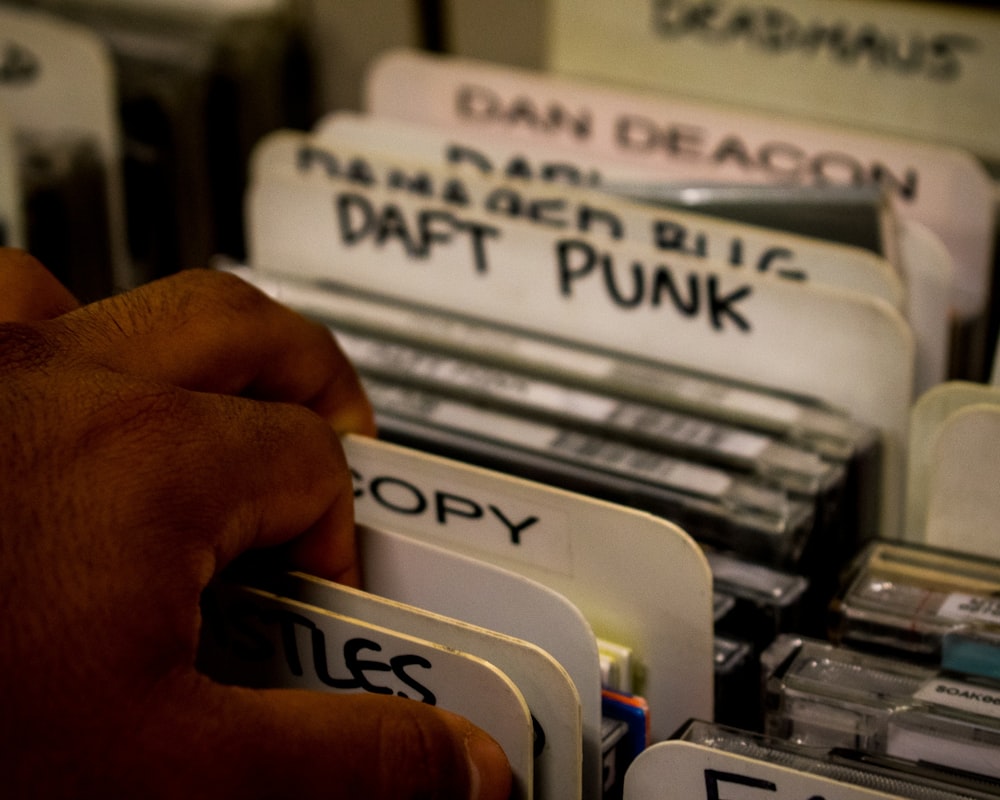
[726, 461]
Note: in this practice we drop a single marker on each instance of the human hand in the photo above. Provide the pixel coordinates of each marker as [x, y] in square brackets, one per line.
[145, 441]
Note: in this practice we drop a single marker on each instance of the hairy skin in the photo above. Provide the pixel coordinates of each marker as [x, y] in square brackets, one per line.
[145, 442]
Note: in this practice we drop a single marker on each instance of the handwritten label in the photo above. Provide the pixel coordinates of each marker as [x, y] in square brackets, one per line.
[255, 638]
[18, 64]
[652, 137]
[677, 234]
[461, 513]
[920, 69]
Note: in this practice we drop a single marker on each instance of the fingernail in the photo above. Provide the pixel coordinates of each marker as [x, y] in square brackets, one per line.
[488, 766]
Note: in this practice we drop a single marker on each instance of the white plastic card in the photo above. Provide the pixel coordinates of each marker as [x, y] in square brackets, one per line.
[930, 413]
[408, 569]
[799, 338]
[925, 266]
[547, 687]
[640, 581]
[929, 276]
[57, 77]
[267, 641]
[11, 215]
[671, 138]
[963, 504]
[926, 70]
[678, 234]
[696, 771]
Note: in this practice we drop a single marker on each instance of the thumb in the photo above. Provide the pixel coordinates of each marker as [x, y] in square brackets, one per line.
[28, 291]
[251, 743]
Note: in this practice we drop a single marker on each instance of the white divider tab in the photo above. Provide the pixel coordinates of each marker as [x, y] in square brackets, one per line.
[680, 235]
[929, 272]
[547, 687]
[962, 500]
[614, 550]
[921, 69]
[267, 641]
[671, 138]
[800, 338]
[694, 771]
[406, 568]
[930, 413]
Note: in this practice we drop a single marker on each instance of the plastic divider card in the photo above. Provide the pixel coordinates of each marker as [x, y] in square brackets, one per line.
[850, 769]
[700, 771]
[547, 687]
[672, 138]
[922, 265]
[919, 69]
[680, 235]
[255, 638]
[828, 696]
[401, 566]
[11, 218]
[929, 274]
[593, 553]
[929, 414]
[916, 601]
[794, 337]
[58, 80]
[962, 499]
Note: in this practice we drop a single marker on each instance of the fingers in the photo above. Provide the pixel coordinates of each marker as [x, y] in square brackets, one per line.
[281, 743]
[28, 291]
[231, 473]
[212, 332]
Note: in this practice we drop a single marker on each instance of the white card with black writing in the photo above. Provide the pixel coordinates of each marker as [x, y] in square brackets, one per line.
[256, 638]
[926, 70]
[640, 581]
[799, 338]
[678, 234]
[436, 577]
[671, 138]
[926, 271]
[547, 688]
[57, 79]
[695, 771]
[11, 216]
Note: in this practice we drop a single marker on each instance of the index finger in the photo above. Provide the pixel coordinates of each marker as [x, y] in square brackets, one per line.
[211, 331]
